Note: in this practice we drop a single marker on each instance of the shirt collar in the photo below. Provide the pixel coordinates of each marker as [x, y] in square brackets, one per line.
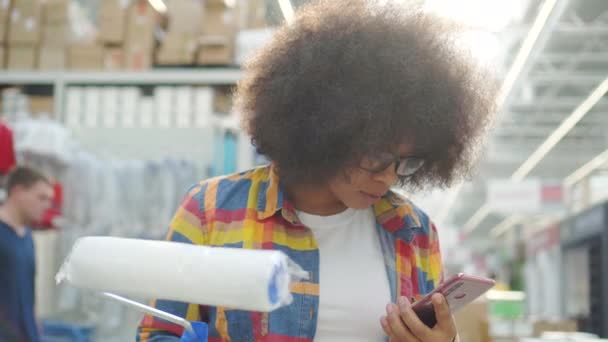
[393, 211]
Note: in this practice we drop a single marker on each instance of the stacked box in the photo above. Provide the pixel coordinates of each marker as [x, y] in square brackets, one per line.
[180, 44]
[24, 34]
[85, 56]
[112, 19]
[142, 21]
[177, 49]
[2, 57]
[5, 12]
[219, 27]
[56, 35]
[113, 58]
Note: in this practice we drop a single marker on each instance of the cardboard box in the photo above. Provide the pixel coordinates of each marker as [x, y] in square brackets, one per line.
[113, 58]
[177, 49]
[2, 57]
[52, 58]
[25, 22]
[472, 322]
[541, 327]
[57, 35]
[138, 58]
[256, 14]
[5, 12]
[214, 4]
[56, 12]
[216, 50]
[22, 57]
[222, 99]
[112, 21]
[40, 104]
[141, 24]
[85, 57]
[185, 16]
[220, 22]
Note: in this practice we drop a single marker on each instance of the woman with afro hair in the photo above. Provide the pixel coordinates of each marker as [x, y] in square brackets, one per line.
[347, 101]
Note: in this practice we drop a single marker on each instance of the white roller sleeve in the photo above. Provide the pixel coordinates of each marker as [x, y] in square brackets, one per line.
[252, 280]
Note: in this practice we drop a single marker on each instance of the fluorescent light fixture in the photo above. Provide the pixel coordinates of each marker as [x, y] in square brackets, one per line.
[476, 219]
[287, 10]
[585, 170]
[158, 5]
[488, 15]
[520, 60]
[563, 129]
[524, 51]
[505, 225]
[546, 147]
[449, 203]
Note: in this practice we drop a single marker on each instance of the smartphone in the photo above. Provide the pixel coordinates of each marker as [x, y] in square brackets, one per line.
[458, 291]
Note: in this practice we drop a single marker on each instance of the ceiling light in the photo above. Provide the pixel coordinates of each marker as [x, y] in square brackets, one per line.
[505, 225]
[287, 10]
[158, 5]
[586, 169]
[479, 14]
[476, 219]
[563, 129]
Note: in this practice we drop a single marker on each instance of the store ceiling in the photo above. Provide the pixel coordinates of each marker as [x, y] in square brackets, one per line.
[566, 65]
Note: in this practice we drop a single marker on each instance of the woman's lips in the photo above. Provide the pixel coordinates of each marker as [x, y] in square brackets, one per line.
[371, 197]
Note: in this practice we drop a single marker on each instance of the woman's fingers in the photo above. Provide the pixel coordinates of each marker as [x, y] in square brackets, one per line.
[411, 320]
[399, 331]
[444, 318]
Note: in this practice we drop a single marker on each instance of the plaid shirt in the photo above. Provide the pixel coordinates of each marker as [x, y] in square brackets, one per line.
[249, 210]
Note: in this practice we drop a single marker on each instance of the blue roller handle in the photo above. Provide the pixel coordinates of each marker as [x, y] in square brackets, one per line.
[199, 335]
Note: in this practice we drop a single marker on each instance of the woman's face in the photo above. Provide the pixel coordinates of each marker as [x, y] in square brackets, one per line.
[359, 188]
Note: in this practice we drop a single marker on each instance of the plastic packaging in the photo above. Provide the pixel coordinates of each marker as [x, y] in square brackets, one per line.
[252, 280]
[199, 333]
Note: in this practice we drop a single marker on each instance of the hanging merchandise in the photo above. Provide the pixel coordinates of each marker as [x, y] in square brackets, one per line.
[43, 137]
[543, 274]
[7, 149]
[584, 243]
[230, 152]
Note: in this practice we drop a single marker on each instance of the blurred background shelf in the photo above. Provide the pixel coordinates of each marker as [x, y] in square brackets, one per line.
[212, 76]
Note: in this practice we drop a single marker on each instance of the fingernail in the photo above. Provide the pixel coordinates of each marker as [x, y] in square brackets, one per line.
[403, 301]
[389, 308]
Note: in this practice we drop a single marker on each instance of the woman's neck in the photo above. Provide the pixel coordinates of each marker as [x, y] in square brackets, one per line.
[316, 200]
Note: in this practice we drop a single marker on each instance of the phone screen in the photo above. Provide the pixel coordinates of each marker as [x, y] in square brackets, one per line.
[426, 313]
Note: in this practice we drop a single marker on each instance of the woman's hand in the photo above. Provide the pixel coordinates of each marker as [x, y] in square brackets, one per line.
[403, 325]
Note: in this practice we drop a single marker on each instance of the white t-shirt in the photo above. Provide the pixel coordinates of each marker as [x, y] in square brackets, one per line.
[354, 288]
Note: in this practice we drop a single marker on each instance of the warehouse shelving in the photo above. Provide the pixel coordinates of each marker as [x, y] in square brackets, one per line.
[60, 79]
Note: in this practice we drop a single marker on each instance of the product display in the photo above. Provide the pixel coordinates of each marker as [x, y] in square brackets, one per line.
[255, 280]
[7, 149]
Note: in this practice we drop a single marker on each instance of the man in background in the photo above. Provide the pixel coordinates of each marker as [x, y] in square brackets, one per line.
[29, 195]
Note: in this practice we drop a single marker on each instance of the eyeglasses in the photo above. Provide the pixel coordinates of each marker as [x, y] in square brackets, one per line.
[404, 167]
